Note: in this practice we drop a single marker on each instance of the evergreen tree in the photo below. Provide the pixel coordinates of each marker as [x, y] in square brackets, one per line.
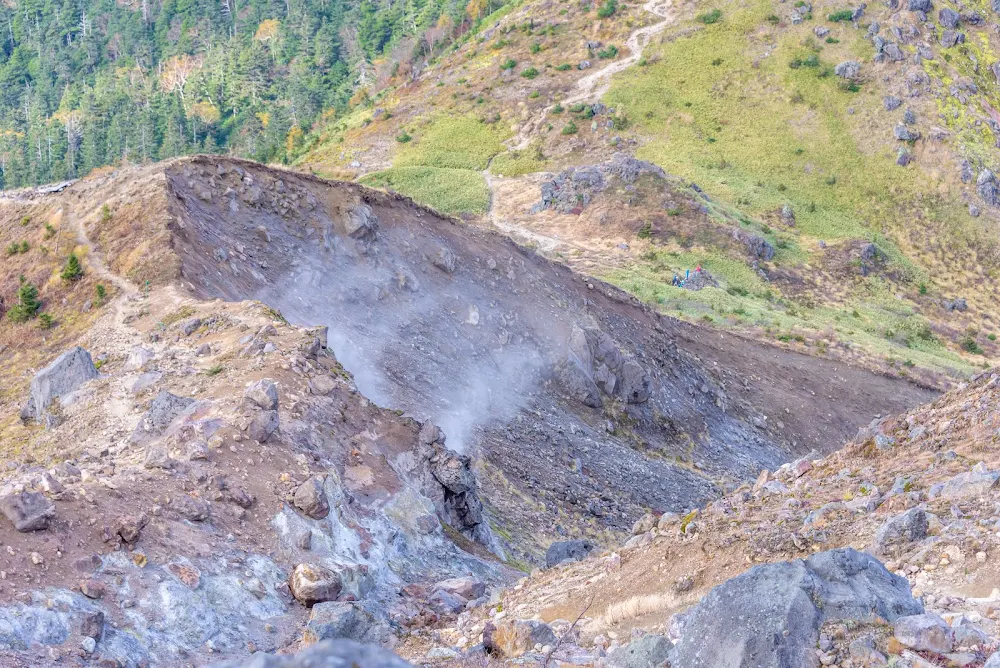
[72, 271]
[27, 305]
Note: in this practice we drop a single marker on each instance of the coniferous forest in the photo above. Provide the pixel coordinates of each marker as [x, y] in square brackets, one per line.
[87, 83]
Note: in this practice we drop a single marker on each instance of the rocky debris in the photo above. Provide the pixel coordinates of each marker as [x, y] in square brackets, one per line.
[311, 584]
[189, 326]
[849, 69]
[950, 38]
[27, 511]
[330, 620]
[958, 304]
[310, 498]
[129, 527]
[445, 260]
[512, 638]
[903, 157]
[924, 633]
[648, 650]
[948, 17]
[164, 409]
[263, 394]
[326, 654]
[772, 614]
[821, 31]
[138, 358]
[986, 186]
[903, 133]
[65, 375]
[906, 527]
[567, 550]
[976, 482]
[891, 102]
[446, 603]
[157, 458]
[361, 222]
[919, 5]
[595, 365]
[262, 426]
[468, 587]
[758, 246]
[787, 215]
[572, 190]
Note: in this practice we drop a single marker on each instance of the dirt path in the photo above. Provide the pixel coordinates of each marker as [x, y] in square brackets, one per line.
[95, 261]
[595, 85]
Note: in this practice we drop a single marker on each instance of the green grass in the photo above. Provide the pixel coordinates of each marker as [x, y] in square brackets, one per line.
[764, 135]
[451, 142]
[448, 190]
[517, 163]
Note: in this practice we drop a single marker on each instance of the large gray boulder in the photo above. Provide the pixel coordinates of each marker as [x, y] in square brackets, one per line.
[849, 69]
[594, 365]
[65, 375]
[338, 619]
[27, 511]
[771, 615]
[327, 654]
[567, 550]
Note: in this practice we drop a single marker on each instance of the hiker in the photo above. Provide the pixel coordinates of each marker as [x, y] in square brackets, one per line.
[687, 274]
[698, 269]
[676, 281]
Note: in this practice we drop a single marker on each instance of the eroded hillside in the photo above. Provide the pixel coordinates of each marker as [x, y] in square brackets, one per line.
[854, 143]
[247, 428]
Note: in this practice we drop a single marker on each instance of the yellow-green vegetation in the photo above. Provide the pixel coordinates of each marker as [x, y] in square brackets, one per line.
[760, 133]
[452, 191]
[453, 143]
[518, 163]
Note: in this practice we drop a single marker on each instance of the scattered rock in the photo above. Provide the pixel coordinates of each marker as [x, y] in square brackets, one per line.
[263, 394]
[189, 326]
[849, 69]
[361, 222]
[891, 102]
[514, 638]
[311, 499]
[924, 632]
[468, 587]
[337, 619]
[567, 550]
[311, 584]
[948, 17]
[138, 358]
[165, 408]
[903, 528]
[326, 654]
[27, 511]
[649, 650]
[445, 260]
[263, 425]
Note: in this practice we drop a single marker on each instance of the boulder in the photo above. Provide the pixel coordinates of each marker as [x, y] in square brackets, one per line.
[512, 638]
[263, 394]
[771, 615]
[138, 358]
[189, 326]
[644, 524]
[337, 619]
[948, 17]
[986, 186]
[891, 103]
[903, 133]
[361, 222]
[311, 499]
[976, 482]
[66, 374]
[262, 425]
[446, 603]
[901, 529]
[445, 260]
[595, 364]
[326, 654]
[468, 587]
[923, 633]
[849, 69]
[311, 584]
[27, 511]
[567, 550]
[650, 650]
[164, 409]
[919, 5]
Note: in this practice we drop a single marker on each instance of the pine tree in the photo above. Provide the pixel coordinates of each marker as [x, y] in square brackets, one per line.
[72, 271]
[27, 302]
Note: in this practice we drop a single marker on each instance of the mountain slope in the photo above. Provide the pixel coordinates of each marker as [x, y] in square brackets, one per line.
[868, 258]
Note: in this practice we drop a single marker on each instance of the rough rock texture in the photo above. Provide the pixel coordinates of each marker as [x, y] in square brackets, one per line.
[65, 375]
[514, 638]
[566, 550]
[744, 620]
[27, 511]
[165, 408]
[901, 529]
[649, 650]
[328, 654]
[311, 583]
[331, 620]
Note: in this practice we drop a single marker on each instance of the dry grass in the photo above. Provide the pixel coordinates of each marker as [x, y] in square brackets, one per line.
[633, 608]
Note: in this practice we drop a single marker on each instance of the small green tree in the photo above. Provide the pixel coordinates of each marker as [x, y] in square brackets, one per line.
[102, 293]
[27, 302]
[72, 271]
[45, 321]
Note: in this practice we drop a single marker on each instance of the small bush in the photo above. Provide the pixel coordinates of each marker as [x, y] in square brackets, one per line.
[832, 40]
[102, 293]
[564, 67]
[708, 18]
[105, 213]
[49, 231]
[773, 20]
[529, 73]
[509, 64]
[558, 109]
[569, 128]
[45, 321]
[970, 345]
[25, 221]
[610, 52]
[404, 138]
[72, 271]
[607, 9]
[646, 231]
[842, 15]
[536, 47]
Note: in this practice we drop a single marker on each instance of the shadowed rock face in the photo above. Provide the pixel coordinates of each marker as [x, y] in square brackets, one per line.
[771, 615]
[567, 386]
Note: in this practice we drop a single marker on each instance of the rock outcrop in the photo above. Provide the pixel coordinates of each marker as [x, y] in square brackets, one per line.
[65, 375]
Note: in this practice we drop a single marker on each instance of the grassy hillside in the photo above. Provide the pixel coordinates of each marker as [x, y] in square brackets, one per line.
[876, 239]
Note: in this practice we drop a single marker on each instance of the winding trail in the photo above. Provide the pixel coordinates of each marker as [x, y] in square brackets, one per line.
[595, 85]
[591, 87]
